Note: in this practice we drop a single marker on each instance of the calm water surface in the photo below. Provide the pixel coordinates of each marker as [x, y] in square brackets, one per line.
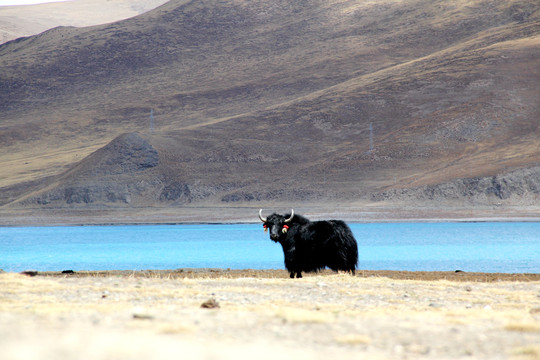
[486, 247]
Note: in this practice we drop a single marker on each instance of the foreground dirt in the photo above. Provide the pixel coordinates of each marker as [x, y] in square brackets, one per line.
[261, 314]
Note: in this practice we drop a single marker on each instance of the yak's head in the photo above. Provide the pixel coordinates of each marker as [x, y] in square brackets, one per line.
[277, 224]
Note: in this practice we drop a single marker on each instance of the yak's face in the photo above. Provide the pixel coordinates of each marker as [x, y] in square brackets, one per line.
[278, 225]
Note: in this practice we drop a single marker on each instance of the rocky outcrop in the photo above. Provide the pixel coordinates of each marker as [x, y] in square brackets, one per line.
[126, 154]
[109, 175]
[522, 186]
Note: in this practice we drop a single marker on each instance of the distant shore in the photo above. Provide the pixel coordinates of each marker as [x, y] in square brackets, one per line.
[248, 215]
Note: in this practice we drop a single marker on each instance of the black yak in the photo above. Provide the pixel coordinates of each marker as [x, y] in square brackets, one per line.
[312, 246]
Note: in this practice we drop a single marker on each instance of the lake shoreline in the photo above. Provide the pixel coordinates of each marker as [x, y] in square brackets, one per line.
[212, 273]
[16, 223]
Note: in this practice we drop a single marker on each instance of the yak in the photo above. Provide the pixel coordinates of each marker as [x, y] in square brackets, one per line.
[311, 246]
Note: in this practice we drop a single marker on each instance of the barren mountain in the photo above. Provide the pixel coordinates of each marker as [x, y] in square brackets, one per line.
[267, 103]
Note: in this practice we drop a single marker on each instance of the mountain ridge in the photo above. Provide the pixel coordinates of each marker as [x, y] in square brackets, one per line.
[308, 106]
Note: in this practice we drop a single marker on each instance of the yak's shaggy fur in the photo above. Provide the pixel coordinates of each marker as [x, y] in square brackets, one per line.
[312, 246]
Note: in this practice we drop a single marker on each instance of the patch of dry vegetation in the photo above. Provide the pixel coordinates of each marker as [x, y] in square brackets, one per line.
[315, 317]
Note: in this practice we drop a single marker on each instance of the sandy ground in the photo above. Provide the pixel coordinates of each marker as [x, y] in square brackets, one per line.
[263, 315]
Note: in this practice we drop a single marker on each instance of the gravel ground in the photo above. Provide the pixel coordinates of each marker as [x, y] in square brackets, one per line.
[215, 314]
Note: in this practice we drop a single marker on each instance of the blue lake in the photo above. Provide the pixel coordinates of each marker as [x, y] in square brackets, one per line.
[484, 247]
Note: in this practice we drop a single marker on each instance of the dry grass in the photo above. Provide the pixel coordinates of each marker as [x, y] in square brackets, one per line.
[528, 327]
[354, 339]
[314, 317]
[39, 161]
[527, 352]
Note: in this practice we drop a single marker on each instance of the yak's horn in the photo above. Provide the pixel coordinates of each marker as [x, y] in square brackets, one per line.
[292, 215]
[261, 217]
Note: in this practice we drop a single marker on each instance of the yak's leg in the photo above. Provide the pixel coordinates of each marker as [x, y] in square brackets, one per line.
[292, 274]
[298, 274]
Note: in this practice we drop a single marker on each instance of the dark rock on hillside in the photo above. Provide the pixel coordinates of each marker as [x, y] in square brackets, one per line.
[292, 195]
[127, 153]
[106, 176]
[522, 185]
[175, 192]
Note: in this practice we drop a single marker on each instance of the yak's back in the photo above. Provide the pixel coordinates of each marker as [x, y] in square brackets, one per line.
[325, 229]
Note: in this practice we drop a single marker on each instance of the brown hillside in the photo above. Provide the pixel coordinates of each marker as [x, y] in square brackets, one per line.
[275, 102]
